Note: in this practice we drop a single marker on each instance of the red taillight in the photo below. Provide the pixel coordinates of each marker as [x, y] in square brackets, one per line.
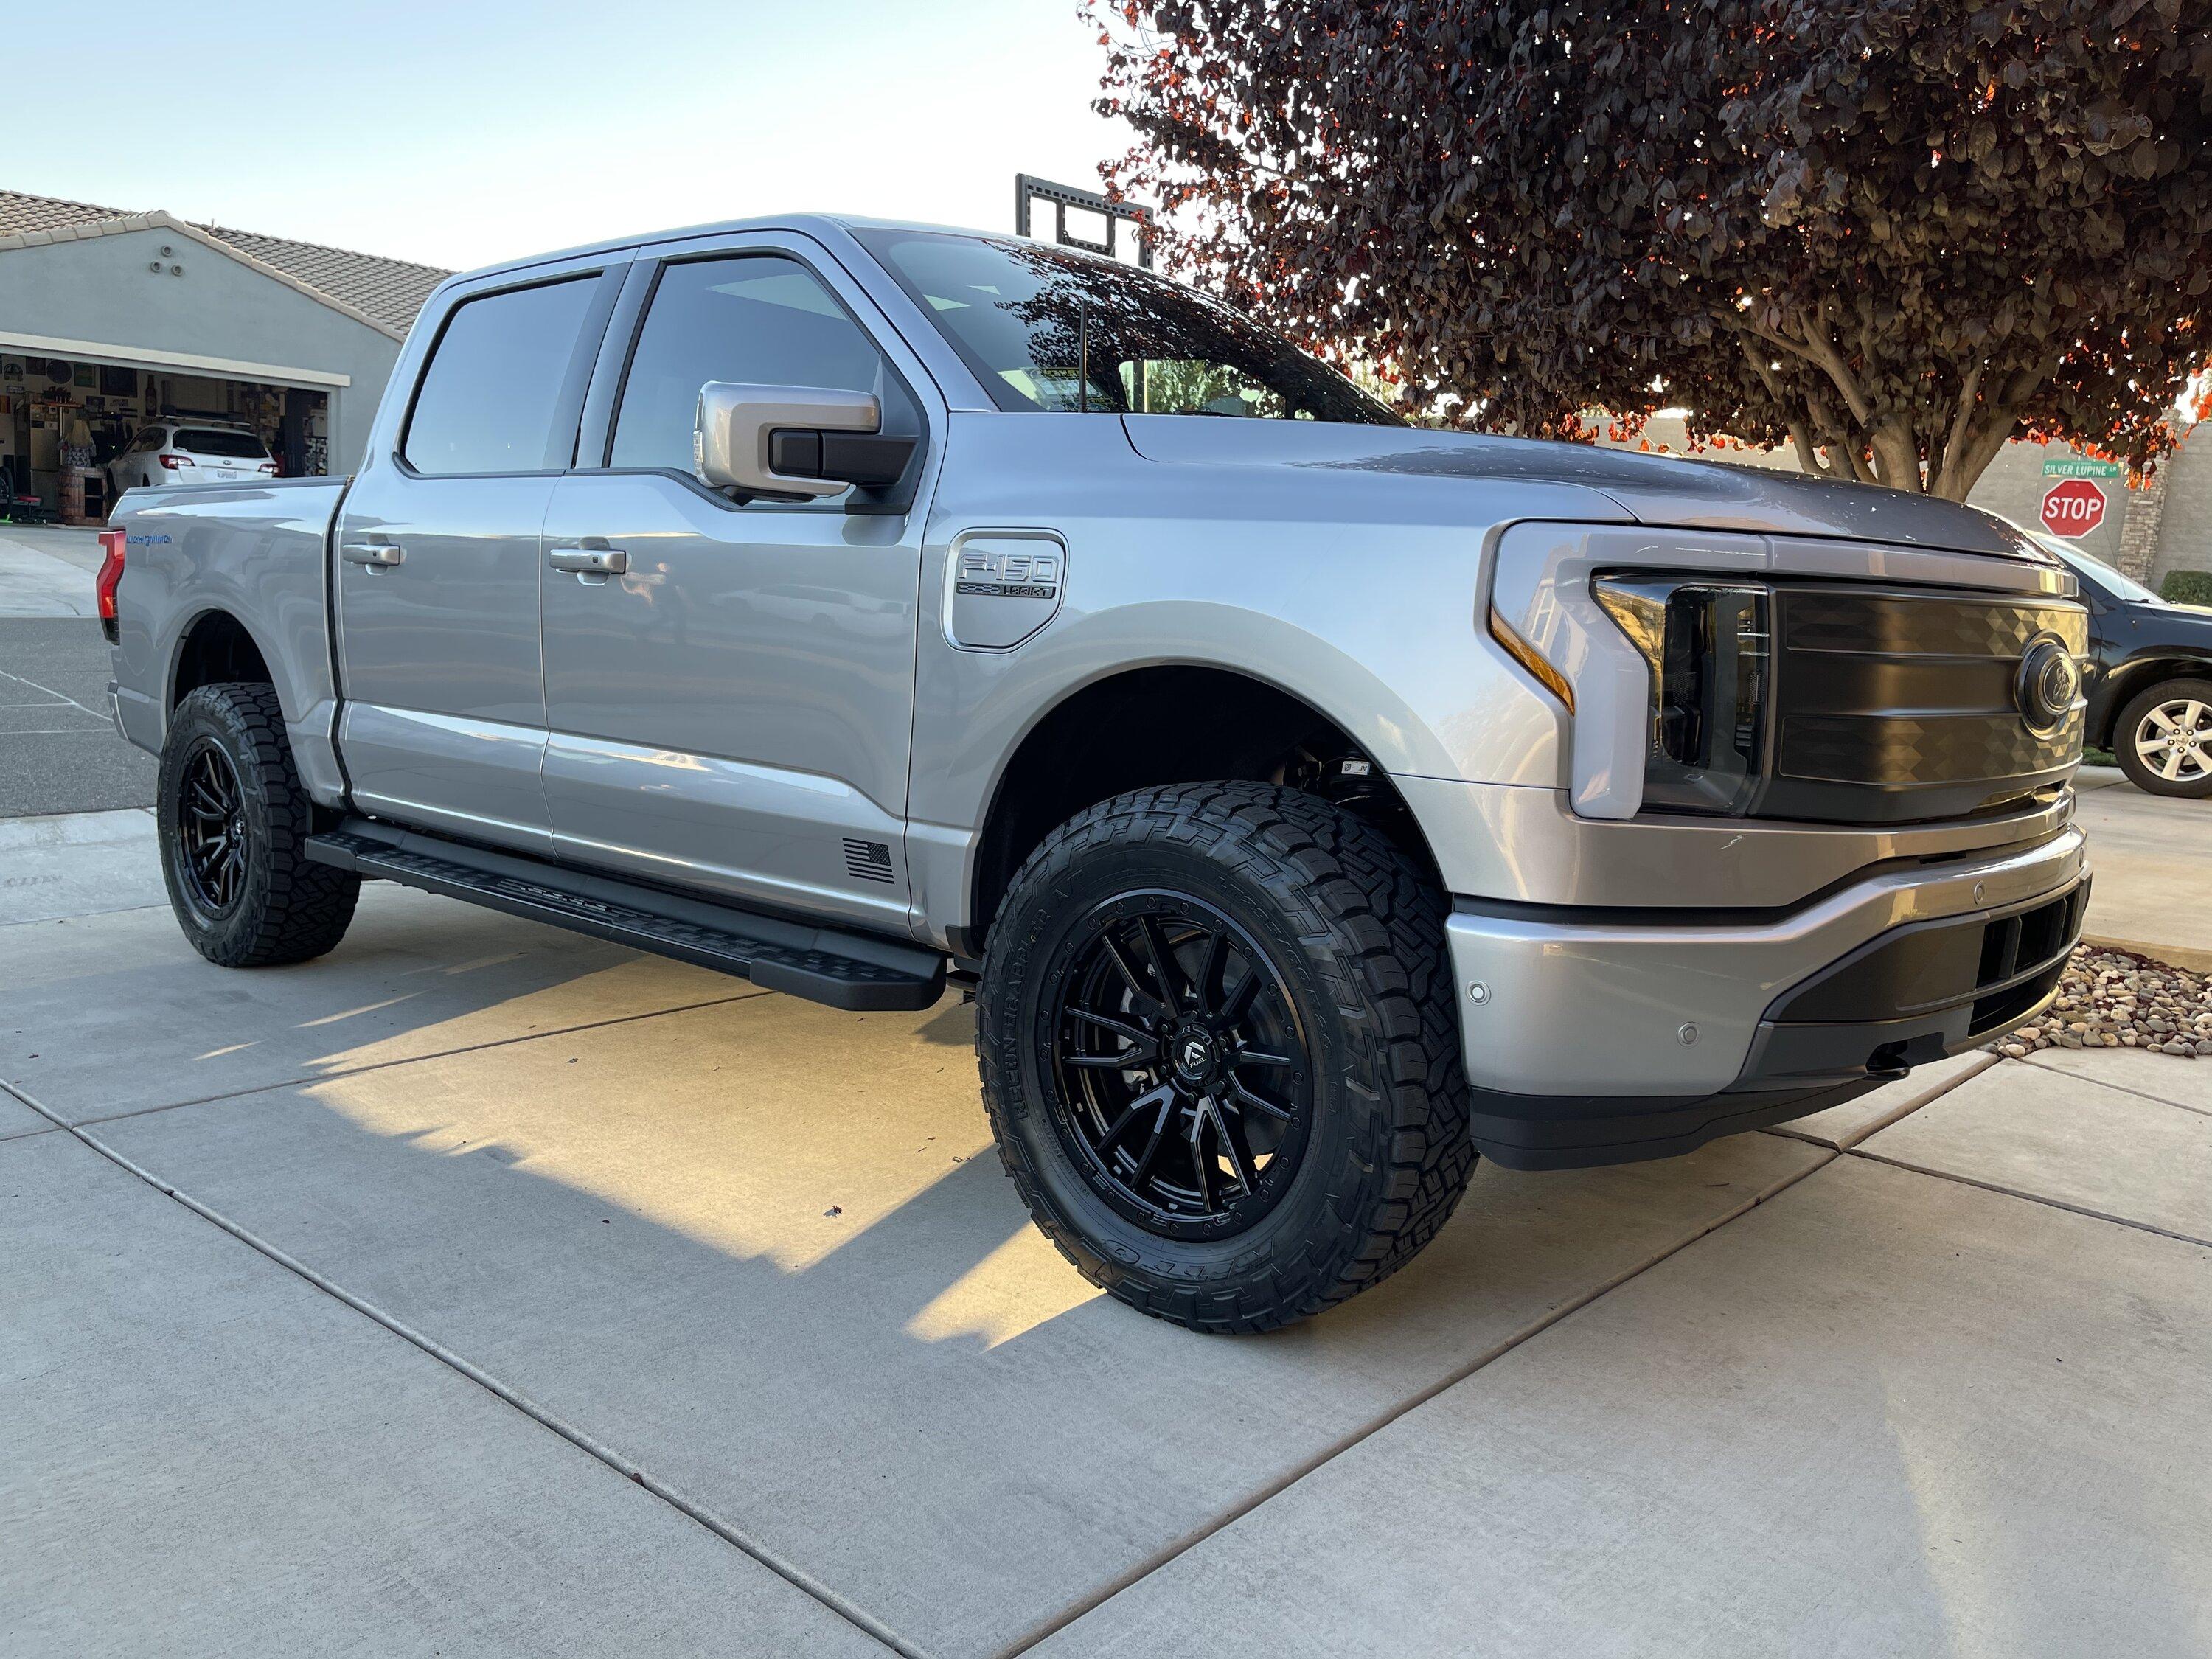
[111, 572]
[269, 467]
[172, 462]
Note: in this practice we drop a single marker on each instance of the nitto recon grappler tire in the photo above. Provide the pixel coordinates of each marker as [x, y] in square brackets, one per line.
[1219, 1053]
[232, 818]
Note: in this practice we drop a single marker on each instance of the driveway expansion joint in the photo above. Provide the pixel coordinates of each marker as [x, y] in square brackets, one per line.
[1273, 1489]
[2106, 1083]
[587, 1444]
[2025, 1197]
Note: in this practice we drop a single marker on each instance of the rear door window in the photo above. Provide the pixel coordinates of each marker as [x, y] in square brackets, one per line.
[756, 319]
[493, 391]
[210, 440]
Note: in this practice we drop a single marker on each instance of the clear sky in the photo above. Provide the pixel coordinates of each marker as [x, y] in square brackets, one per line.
[461, 133]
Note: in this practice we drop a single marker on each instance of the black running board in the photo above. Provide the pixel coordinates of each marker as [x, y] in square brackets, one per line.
[823, 965]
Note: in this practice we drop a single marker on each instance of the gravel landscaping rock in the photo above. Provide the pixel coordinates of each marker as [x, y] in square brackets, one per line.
[2117, 999]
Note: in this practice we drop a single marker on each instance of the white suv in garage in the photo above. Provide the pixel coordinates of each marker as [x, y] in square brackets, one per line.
[182, 452]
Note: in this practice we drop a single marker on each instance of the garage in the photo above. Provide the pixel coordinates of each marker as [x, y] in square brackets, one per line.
[86, 429]
[138, 347]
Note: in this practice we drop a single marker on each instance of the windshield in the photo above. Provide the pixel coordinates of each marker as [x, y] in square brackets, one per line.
[2097, 574]
[1047, 329]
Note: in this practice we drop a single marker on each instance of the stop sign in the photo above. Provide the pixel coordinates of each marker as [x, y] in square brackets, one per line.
[2072, 507]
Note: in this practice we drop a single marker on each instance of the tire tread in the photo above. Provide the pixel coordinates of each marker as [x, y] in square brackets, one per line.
[305, 907]
[1364, 907]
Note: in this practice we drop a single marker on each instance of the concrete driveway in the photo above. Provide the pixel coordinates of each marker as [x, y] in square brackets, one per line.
[482, 1289]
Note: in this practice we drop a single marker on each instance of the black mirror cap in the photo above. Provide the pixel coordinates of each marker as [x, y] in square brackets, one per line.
[869, 461]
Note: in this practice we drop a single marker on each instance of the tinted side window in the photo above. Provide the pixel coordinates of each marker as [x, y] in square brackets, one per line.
[489, 397]
[754, 318]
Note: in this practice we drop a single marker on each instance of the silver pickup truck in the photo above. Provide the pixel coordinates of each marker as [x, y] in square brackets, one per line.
[1312, 802]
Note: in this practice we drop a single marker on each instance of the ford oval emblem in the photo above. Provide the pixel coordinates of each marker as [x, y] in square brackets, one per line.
[2048, 682]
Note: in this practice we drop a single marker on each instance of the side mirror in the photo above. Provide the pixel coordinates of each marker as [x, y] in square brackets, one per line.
[794, 442]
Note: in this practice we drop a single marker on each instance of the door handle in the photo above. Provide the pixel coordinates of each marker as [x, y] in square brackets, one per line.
[377, 554]
[589, 561]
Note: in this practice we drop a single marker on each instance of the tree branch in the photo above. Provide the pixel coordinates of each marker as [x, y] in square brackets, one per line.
[1830, 357]
[1981, 447]
[1940, 462]
[1811, 459]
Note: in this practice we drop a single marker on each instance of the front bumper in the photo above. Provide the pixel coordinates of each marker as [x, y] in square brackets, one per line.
[1599, 1036]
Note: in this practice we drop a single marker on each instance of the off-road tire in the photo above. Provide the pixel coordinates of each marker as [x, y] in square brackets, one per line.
[287, 909]
[1357, 929]
[2123, 739]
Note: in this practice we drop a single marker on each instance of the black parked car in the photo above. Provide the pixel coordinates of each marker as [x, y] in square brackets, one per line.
[2149, 681]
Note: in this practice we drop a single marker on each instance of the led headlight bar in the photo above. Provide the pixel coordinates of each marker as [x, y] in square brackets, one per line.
[1708, 645]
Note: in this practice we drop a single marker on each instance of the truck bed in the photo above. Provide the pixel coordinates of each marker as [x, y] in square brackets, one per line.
[196, 555]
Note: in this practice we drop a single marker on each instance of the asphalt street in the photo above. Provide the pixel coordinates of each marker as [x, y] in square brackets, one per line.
[58, 751]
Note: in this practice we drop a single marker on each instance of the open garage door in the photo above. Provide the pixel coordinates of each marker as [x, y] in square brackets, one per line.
[78, 430]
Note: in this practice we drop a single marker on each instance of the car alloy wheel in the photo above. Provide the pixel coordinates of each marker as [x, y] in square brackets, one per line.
[2173, 739]
[1181, 1080]
[211, 831]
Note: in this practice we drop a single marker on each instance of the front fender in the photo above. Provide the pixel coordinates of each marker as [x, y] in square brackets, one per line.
[1421, 686]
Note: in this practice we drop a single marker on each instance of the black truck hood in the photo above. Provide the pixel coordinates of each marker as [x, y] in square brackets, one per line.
[1655, 490]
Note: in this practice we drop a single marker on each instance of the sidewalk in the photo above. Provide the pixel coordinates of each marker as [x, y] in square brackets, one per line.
[2153, 856]
[486, 1289]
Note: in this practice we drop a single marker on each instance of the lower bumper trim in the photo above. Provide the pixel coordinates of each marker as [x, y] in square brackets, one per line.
[1554, 1131]
[1915, 994]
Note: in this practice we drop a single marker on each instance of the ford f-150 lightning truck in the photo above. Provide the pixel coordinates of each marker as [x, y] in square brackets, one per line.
[1312, 802]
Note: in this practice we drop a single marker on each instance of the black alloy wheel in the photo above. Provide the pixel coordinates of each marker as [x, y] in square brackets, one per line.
[211, 833]
[1181, 1079]
[1218, 1049]
[234, 818]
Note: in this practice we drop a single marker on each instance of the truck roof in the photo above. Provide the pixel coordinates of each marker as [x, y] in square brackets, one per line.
[809, 223]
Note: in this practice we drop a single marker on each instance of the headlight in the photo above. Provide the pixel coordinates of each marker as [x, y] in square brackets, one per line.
[1708, 648]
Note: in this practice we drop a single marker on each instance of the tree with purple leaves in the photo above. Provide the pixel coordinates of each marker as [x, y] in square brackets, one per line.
[1890, 233]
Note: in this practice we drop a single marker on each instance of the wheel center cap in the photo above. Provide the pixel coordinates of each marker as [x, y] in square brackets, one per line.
[1193, 1050]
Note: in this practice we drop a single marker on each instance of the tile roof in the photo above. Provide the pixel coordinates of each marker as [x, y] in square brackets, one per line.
[19, 213]
[387, 292]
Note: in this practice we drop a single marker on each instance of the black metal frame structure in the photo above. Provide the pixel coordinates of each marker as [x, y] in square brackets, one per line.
[1029, 189]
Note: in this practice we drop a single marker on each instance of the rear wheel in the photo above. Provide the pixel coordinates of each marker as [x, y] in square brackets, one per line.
[2163, 740]
[233, 819]
[1219, 1053]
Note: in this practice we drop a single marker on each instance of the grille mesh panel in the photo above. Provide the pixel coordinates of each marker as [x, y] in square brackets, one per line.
[1897, 705]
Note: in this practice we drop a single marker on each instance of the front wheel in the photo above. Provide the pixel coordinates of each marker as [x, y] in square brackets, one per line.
[1219, 1053]
[234, 818]
[2163, 740]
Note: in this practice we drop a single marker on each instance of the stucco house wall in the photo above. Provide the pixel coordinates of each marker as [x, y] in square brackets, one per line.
[118, 290]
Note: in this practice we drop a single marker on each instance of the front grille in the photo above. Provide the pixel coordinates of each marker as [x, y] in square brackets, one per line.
[2036, 944]
[2001, 965]
[1921, 750]
[1897, 706]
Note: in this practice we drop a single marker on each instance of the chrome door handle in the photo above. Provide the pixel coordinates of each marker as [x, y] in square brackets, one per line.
[589, 561]
[372, 553]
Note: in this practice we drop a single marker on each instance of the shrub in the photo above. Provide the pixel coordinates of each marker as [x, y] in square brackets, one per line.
[2187, 586]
